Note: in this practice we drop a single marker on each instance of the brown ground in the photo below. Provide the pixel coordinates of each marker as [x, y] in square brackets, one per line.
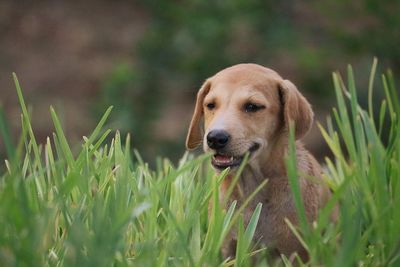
[61, 52]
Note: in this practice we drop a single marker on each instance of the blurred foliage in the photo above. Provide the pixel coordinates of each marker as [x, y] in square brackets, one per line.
[365, 27]
[186, 42]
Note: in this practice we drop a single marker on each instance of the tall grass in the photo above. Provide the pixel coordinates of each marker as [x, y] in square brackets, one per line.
[104, 206]
[364, 175]
[98, 207]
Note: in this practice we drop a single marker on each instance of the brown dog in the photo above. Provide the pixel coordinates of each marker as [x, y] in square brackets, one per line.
[247, 108]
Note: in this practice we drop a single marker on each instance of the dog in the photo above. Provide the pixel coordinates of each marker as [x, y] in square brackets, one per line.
[247, 108]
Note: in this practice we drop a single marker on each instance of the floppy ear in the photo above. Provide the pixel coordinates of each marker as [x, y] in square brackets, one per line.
[295, 108]
[195, 135]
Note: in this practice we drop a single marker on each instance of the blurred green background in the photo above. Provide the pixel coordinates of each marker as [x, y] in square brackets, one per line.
[148, 58]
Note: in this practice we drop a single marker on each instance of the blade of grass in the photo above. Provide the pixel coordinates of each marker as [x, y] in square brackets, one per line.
[291, 163]
[63, 140]
[371, 86]
[26, 121]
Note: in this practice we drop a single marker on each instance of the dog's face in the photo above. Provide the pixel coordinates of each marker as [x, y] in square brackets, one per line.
[246, 108]
[240, 116]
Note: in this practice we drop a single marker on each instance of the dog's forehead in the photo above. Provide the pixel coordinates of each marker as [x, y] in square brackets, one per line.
[246, 72]
[244, 77]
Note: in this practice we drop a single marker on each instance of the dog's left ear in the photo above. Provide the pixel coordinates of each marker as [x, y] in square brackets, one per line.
[195, 136]
[295, 108]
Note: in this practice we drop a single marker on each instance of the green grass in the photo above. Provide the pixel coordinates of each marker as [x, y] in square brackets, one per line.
[104, 206]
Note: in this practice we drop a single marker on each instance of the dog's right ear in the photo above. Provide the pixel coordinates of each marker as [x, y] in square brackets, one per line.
[195, 135]
[296, 109]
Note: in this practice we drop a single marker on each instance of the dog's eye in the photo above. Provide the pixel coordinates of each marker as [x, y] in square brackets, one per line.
[250, 107]
[210, 106]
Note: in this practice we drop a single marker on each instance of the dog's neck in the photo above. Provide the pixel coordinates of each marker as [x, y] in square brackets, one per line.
[270, 167]
[271, 162]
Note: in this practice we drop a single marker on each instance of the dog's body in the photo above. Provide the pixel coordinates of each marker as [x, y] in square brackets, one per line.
[247, 109]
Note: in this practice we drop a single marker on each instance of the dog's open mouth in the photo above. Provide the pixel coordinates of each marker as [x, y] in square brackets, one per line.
[223, 160]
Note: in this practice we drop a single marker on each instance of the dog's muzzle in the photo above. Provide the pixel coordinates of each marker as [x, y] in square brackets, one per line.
[222, 160]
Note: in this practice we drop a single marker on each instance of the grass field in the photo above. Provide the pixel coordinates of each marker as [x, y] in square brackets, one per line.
[103, 206]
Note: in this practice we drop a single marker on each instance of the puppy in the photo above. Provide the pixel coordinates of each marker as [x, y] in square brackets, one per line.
[247, 108]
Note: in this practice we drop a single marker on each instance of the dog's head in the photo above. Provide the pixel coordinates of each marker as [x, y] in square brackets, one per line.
[246, 108]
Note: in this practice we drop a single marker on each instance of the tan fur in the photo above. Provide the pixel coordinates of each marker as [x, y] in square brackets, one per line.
[230, 89]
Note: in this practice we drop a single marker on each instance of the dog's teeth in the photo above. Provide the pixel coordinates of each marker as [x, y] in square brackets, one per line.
[231, 158]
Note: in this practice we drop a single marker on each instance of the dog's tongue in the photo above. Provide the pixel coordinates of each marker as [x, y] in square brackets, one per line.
[223, 159]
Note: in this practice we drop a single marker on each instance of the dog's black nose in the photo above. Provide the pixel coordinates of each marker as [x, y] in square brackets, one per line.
[217, 139]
